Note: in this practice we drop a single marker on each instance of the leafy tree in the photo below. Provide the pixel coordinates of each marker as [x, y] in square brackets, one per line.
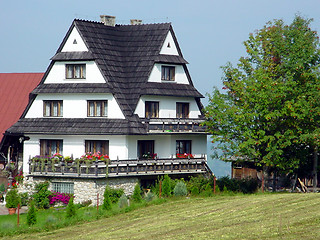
[41, 196]
[269, 110]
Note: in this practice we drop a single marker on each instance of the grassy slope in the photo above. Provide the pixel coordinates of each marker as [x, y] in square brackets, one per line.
[269, 216]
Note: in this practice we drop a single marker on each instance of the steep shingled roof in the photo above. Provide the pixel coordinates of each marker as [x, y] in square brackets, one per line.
[14, 96]
[126, 55]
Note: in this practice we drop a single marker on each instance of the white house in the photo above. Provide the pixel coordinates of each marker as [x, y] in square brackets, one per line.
[121, 90]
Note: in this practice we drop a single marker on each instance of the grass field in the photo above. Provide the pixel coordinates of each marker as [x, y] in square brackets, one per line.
[259, 216]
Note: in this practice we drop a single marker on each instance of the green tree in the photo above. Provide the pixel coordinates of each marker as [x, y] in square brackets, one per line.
[71, 209]
[32, 214]
[106, 199]
[166, 186]
[136, 196]
[269, 110]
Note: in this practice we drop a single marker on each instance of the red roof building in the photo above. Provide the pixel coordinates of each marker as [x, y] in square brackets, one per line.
[14, 96]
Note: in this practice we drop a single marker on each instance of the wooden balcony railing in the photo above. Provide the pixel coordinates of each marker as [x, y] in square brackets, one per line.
[118, 168]
[171, 125]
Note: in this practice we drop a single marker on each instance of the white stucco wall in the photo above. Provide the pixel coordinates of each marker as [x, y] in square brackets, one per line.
[75, 145]
[167, 106]
[70, 46]
[172, 49]
[74, 105]
[180, 75]
[57, 73]
[165, 145]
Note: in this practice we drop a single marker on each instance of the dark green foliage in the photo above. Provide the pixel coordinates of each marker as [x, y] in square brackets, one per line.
[85, 203]
[71, 209]
[32, 214]
[123, 201]
[24, 198]
[107, 204]
[196, 185]
[136, 197]
[115, 194]
[12, 199]
[195, 190]
[248, 185]
[166, 186]
[41, 196]
[2, 188]
[180, 189]
[208, 191]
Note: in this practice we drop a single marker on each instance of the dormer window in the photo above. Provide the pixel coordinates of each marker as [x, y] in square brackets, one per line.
[75, 71]
[167, 73]
[97, 108]
[52, 108]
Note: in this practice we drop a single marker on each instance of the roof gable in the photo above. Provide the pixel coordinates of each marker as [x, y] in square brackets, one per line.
[74, 42]
[169, 46]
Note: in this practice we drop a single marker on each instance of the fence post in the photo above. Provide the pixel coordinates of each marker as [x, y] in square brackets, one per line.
[97, 202]
[214, 184]
[18, 220]
[160, 188]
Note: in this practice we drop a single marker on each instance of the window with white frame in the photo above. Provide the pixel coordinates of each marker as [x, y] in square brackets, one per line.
[75, 71]
[63, 187]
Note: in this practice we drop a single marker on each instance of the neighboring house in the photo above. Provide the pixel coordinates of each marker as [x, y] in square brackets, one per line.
[121, 90]
[14, 96]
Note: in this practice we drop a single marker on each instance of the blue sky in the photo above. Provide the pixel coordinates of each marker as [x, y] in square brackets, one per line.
[210, 32]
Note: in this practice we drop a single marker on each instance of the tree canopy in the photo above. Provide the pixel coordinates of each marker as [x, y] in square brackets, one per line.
[269, 109]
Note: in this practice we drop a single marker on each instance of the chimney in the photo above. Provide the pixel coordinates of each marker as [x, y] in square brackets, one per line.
[108, 20]
[136, 22]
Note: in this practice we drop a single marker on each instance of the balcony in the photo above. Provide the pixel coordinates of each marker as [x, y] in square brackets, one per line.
[119, 168]
[174, 125]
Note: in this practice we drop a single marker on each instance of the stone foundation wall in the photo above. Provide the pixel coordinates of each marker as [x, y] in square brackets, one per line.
[84, 189]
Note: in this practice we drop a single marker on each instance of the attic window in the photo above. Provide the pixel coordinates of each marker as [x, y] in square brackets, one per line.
[75, 71]
[167, 73]
[169, 46]
[75, 41]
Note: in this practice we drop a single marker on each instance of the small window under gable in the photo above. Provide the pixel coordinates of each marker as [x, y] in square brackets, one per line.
[75, 71]
[167, 73]
[75, 41]
[169, 46]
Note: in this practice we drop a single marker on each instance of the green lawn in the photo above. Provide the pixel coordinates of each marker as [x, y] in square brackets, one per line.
[261, 216]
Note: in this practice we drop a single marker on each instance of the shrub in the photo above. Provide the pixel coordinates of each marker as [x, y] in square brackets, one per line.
[123, 201]
[24, 198]
[197, 184]
[115, 194]
[180, 189]
[136, 197]
[32, 214]
[12, 199]
[195, 191]
[249, 185]
[106, 199]
[71, 210]
[166, 186]
[57, 197]
[41, 197]
[208, 191]
[2, 188]
[85, 203]
[149, 196]
[230, 184]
